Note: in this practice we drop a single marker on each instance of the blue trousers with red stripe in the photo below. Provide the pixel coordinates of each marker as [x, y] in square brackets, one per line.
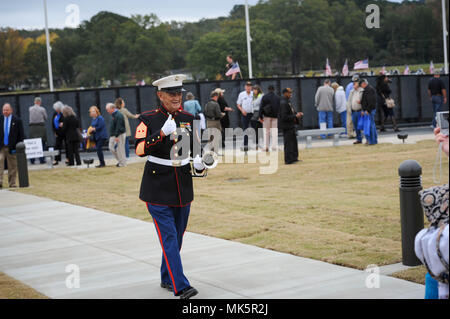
[170, 224]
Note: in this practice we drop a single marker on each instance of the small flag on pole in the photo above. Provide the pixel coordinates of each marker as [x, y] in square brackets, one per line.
[345, 69]
[361, 65]
[328, 69]
[431, 67]
[406, 72]
[234, 69]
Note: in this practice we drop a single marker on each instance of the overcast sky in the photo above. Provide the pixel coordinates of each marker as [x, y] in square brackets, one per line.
[29, 14]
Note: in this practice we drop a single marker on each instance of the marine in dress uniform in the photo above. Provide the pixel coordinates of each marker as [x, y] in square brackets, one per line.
[167, 186]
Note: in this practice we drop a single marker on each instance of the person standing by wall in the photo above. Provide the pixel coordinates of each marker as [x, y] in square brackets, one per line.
[11, 133]
[224, 108]
[438, 95]
[57, 123]
[213, 116]
[38, 117]
[268, 113]
[100, 133]
[383, 93]
[369, 108]
[341, 104]
[354, 107]
[245, 105]
[71, 129]
[288, 118]
[120, 105]
[324, 104]
[349, 87]
[191, 105]
[117, 133]
[256, 123]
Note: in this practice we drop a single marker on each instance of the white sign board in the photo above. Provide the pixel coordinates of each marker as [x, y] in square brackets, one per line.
[33, 148]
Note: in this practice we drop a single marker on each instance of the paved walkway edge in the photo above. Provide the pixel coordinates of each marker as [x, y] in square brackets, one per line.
[46, 244]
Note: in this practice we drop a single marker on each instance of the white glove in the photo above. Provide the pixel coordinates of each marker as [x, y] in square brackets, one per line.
[169, 126]
[198, 163]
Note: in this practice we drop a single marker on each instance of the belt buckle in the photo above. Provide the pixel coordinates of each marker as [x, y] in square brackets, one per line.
[176, 163]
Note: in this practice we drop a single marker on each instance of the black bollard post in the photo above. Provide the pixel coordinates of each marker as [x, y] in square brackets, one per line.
[22, 165]
[411, 211]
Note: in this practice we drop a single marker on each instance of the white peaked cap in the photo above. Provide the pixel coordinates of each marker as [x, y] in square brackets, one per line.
[171, 83]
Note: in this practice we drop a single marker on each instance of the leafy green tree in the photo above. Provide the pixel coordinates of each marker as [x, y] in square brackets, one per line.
[352, 35]
[36, 62]
[65, 51]
[12, 66]
[270, 49]
[310, 24]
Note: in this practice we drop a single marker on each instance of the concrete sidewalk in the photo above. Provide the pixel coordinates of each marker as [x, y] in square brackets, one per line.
[119, 257]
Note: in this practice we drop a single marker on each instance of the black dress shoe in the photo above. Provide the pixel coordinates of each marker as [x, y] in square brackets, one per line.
[188, 293]
[100, 166]
[166, 286]
[357, 142]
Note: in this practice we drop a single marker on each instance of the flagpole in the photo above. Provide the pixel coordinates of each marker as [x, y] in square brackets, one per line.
[445, 33]
[49, 58]
[249, 39]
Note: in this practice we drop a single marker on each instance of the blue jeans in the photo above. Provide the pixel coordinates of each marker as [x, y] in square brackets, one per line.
[344, 120]
[170, 224]
[431, 287]
[437, 101]
[373, 137]
[99, 147]
[355, 119]
[326, 117]
[246, 122]
[127, 147]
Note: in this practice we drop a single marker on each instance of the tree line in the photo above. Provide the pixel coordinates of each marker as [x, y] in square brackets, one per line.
[288, 37]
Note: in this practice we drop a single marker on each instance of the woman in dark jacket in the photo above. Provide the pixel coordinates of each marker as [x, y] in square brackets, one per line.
[384, 92]
[224, 108]
[100, 134]
[70, 129]
[57, 121]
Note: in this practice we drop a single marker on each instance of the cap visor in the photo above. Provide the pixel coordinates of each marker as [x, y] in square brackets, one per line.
[178, 89]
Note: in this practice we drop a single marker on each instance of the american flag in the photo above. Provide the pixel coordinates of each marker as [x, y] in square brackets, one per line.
[431, 67]
[406, 72]
[361, 65]
[233, 70]
[345, 68]
[328, 69]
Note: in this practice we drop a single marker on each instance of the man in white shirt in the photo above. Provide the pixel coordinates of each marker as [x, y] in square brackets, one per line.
[245, 105]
